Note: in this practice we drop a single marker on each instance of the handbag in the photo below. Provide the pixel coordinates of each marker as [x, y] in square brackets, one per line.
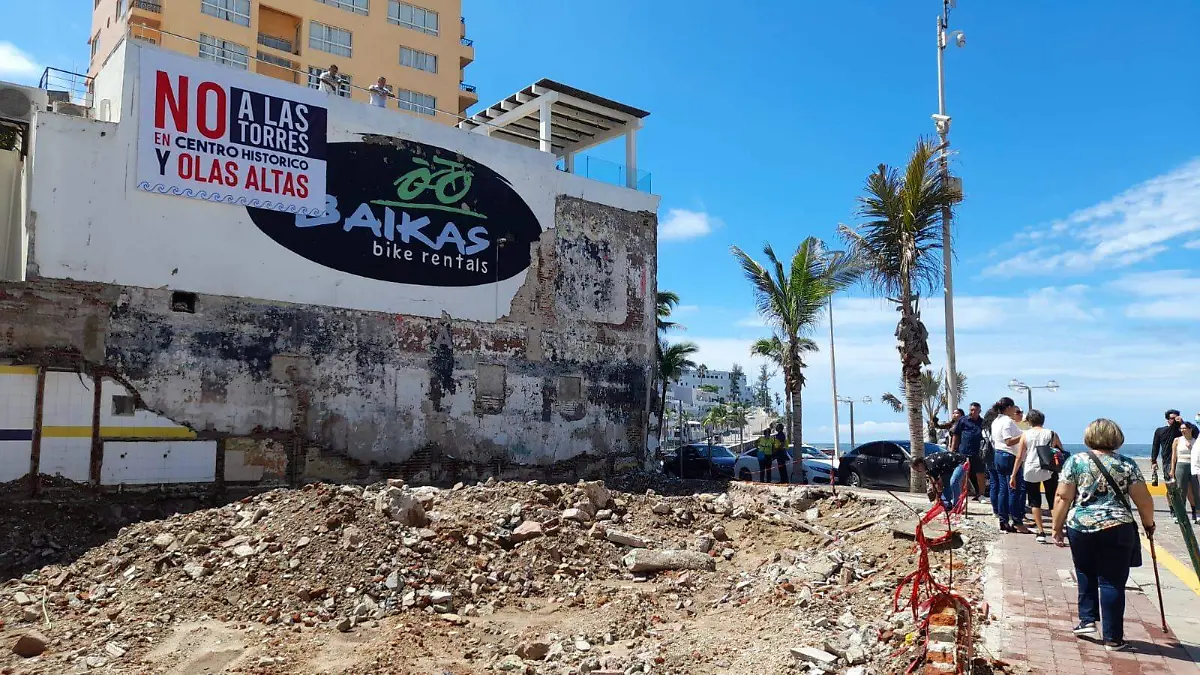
[1045, 455]
[1135, 559]
[987, 452]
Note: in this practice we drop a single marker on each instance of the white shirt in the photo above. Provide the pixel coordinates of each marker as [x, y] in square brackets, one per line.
[325, 85]
[1032, 467]
[1003, 427]
[1185, 451]
[379, 95]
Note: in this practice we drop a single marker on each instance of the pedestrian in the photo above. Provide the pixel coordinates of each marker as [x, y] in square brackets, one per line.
[329, 80]
[1181, 470]
[1100, 527]
[1009, 501]
[1036, 466]
[781, 454]
[947, 472]
[380, 92]
[966, 436]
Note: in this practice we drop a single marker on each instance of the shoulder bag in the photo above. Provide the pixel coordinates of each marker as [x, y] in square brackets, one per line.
[1045, 455]
[987, 452]
[1136, 558]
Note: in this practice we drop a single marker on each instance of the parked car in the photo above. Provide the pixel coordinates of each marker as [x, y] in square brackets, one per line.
[817, 465]
[701, 460]
[880, 464]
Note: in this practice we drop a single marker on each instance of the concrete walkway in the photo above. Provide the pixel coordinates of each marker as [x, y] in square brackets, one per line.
[1032, 594]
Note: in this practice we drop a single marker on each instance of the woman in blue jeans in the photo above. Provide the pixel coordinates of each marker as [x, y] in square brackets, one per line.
[1100, 528]
[1007, 501]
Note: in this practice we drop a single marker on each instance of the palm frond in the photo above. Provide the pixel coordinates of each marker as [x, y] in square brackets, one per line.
[896, 404]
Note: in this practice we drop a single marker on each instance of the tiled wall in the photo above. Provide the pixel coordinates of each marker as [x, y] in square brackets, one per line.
[18, 385]
[140, 446]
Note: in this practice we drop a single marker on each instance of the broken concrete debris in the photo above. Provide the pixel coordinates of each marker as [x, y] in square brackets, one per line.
[494, 578]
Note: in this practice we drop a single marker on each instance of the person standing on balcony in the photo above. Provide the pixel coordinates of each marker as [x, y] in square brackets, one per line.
[380, 92]
[330, 79]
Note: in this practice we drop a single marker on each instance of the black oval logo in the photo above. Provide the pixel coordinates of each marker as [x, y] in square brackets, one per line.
[410, 213]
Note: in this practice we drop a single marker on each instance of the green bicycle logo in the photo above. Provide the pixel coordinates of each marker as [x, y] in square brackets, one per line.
[449, 181]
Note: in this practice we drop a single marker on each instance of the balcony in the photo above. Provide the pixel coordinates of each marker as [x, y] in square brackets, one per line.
[153, 7]
[274, 42]
[467, 55]
[467, 96]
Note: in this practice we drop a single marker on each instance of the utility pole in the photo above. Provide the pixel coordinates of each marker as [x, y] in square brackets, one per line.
[942, 123]
[833, 381]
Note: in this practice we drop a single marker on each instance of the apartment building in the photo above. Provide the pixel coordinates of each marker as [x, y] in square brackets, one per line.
[421, 47]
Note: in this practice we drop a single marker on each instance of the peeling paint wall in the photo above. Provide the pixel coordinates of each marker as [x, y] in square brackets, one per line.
[287, 369]
[565, 373]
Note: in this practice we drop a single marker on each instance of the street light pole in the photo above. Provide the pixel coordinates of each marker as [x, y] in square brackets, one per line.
[1018, 386]
[850, 401]
[942, 123]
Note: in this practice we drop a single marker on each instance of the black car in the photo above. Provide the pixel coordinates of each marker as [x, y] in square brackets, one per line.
[701, 460]
[880, 464]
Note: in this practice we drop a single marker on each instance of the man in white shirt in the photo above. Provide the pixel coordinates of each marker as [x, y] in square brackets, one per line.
[329, 80]
[380, 92]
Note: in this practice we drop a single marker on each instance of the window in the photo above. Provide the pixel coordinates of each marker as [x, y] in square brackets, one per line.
[314, 81]
[416, 102]
[570, 388]
[275, 60]
[237, 11]
[183, 301]
[410, 16]
[120, 10]
[418, 59]
[489, 388]
[329, 39]
[95, 43]
[224, 51]
[123, 406]
[356, 6]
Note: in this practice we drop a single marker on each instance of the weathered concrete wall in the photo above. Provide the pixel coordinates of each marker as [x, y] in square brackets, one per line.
[564, 374]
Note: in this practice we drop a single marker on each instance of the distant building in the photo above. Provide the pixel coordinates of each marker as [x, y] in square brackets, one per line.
[722, 380]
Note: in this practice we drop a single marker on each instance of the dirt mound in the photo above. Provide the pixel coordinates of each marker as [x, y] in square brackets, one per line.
[521, 577]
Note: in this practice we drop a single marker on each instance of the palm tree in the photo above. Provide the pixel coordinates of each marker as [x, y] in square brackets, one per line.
[792, 299]
[667, 302]
[935, 398]
[736, 417]
[716, 418]
[673, 361]
[774, 350]
[900, 242]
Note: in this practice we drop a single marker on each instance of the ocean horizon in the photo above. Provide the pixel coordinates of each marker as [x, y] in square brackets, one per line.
[1141, 450]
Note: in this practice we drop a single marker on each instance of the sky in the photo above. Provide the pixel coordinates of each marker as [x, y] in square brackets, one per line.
[1075, 131]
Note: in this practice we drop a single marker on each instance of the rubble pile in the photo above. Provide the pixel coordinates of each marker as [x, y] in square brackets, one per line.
[495, 577]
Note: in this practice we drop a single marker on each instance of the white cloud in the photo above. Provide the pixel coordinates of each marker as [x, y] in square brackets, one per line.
[15, 63]
[686, 309]
[1161, 294]
[684, 224]
[1133, 226]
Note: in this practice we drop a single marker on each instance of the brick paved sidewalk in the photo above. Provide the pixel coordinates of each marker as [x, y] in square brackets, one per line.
[1038, 611]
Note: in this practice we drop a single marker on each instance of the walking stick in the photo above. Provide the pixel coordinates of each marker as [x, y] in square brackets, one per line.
[1162, 612]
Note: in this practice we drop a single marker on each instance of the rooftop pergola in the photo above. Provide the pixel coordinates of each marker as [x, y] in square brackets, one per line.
[562, 120]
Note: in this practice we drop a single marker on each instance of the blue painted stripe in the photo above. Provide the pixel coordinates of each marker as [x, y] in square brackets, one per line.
[16, 434]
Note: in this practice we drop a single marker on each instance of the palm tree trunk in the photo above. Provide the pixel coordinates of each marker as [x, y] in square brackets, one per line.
[797, 417]
[916, 432]
[662, 412]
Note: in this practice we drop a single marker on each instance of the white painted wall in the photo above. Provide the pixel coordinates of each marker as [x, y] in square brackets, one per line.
[17, 391]
[93, 225]
[152, 462]
[11, 209]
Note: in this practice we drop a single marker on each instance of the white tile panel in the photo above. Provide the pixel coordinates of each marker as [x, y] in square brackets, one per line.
[150, 462]
[17, 393]
[67, 457]
[14, 460]
[140, 418]
[67, 401]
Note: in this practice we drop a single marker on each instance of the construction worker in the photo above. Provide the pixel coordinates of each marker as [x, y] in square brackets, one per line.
[766, 448]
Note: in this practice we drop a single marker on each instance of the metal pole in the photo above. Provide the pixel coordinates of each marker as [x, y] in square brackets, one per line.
[852, 443]
[943, 22]
[833, 380]
[1029, 399]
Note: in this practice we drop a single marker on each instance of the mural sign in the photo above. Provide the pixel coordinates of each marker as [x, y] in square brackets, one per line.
[210, 132]
[411, 213]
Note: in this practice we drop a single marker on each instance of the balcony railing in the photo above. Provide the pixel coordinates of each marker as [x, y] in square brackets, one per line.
[275, 43]
[148, 6]
[468, 42]
[466, 87]
[606, 172]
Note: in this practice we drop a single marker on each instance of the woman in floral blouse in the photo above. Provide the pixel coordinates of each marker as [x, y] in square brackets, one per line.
[1101, 528]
